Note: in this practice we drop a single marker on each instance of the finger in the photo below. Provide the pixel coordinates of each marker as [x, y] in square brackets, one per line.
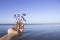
[22, 25]
[21, 30]
[11, 31]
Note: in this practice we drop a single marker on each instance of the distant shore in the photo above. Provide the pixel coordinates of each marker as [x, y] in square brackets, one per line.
[30, 23]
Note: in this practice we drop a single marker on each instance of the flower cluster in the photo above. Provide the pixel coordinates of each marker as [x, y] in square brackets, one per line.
[21, 17]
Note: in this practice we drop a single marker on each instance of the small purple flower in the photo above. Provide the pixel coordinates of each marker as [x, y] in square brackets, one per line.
[24, 14]
[23, 18]
[15, 16]
[18, 15]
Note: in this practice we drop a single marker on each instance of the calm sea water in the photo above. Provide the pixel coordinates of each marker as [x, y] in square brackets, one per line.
[36, 32]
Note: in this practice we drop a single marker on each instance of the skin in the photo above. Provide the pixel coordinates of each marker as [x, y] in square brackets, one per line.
[13, 34]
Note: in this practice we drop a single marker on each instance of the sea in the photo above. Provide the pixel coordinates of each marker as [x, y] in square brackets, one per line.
[35, 31]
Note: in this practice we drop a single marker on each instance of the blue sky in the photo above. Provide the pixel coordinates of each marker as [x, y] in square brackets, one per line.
[37, 11]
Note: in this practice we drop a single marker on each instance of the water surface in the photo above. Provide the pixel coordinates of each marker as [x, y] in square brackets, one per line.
[36, 32]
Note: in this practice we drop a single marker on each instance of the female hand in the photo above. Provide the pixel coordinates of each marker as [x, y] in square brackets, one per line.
[14, 32]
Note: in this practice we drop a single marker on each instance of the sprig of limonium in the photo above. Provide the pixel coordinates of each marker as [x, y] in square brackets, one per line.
[20, 17]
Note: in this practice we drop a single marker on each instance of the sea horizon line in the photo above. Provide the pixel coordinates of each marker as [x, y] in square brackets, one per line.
[30, 23]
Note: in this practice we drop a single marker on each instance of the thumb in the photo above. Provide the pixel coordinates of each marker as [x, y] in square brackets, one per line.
[12, 32]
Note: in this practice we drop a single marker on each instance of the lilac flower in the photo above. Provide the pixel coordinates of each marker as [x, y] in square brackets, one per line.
[18, 15]
[15, 16]
[23, 18]
[24, 14]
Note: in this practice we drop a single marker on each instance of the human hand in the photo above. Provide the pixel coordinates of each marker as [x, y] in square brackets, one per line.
[14, 32]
